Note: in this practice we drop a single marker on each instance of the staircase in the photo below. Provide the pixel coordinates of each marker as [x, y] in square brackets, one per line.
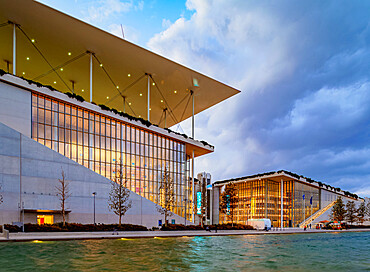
[316, 215]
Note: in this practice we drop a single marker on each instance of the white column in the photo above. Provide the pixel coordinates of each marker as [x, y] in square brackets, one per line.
[281, 204]
[91, 76]
[193, 186]
[148, 97]
[192, 117]
[14, 49]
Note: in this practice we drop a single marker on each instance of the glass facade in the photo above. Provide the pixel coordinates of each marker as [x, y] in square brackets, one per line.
[262, 199]
[101, 143]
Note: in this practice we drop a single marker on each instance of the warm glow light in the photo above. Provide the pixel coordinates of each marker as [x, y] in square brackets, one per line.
[117, 87]
[36, 241]
[139, 116]
[153, 83]
[82, 90]
[107, 97]
[129, 75]
[175, 91]
[69, 53]
[55, 82]
[23, 73]
[61, 69]
[101, 64]
[141, 94]
[150, 108]
[33, 40]
[129, 103]
[161, 101]
[28, 58]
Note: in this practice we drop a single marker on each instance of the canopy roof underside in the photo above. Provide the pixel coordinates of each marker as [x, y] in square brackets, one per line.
[61, 38]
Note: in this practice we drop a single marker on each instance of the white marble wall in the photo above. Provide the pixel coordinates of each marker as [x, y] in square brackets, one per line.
[33, 178]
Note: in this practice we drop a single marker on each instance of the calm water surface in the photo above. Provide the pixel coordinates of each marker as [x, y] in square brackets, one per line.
[297, 252]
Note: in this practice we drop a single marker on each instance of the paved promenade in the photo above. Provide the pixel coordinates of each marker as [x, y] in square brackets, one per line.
[54, 236]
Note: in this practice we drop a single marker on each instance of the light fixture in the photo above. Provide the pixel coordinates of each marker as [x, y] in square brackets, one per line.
[161, 101]
[175, 91]
[141, 94]
[139, 116]
[69, 53]
[61, 69]
[101, 64]
[107, 97]
[33, 40]
[117, 87]
[55, 82]
[28, 58]
[153, 83]
[129, 75]
[23, 73]
[82, 90]
[150, 108]
[129, 103]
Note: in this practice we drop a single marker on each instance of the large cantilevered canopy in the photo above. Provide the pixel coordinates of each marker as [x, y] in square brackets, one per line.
[47, 38]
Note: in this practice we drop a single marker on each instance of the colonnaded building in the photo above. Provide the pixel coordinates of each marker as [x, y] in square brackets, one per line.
[77, 100]
[287, 199]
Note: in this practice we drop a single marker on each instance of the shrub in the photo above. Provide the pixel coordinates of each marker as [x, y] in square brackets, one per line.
[174, 227]
[74, 227]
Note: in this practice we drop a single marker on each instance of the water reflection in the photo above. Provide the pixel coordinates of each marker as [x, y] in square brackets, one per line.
[301, 252]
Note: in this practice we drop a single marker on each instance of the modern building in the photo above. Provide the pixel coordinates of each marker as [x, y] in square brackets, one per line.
[78, 100]
[287, 199]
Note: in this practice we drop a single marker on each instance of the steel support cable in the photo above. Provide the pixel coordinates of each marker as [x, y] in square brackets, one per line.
[5, 24]
[60, 66]
[125, 89]
[164, 99]
[160, 120]
[42, 55]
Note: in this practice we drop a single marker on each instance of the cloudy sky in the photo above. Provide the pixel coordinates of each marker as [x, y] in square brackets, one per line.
[303, 68]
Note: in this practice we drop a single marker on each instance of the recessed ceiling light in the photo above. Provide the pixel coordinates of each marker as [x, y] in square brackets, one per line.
[129, 75]
[153, 83]
[161, 101]
[117, 87]
[141, 94]
[23, 73]
[101, 64]
[33, 40]
[107, 97]
[139, 116]
[129, 103]
[69, 53]
[61, 69]
[175, 91]
[28, 58]
[82, 90]
[55, 82]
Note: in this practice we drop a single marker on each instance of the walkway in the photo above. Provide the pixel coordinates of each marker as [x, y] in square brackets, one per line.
[54, 236]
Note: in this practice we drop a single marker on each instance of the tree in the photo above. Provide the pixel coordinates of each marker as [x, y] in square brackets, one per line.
[203, 202]
[351, 211]
[119, 195]
[361, 213]
[338, 210]
[229, 200]
[166, 196]
[63, 192]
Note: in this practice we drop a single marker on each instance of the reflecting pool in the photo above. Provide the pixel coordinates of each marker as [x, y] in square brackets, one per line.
[297, 252]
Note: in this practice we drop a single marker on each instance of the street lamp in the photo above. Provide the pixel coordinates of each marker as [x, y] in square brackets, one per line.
[94, 194]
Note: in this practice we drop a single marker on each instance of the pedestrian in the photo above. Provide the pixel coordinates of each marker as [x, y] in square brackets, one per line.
[215, 228]
[304, 228]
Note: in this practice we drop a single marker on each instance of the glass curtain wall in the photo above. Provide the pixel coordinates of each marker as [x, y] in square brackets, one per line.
[102, 143]
[262, 199]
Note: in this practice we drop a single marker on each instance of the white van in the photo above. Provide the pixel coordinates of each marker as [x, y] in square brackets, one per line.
[260, 224]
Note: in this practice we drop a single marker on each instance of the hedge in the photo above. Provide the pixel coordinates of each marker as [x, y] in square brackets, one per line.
[173, 227]
[74, 227]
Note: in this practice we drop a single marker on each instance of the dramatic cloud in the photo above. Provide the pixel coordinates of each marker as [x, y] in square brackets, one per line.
[303, 69]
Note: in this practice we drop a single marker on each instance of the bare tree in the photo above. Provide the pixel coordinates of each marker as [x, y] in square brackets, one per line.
[1, 196]
[63, 192]
[166, 196]
[203, 201]
[119, 195]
